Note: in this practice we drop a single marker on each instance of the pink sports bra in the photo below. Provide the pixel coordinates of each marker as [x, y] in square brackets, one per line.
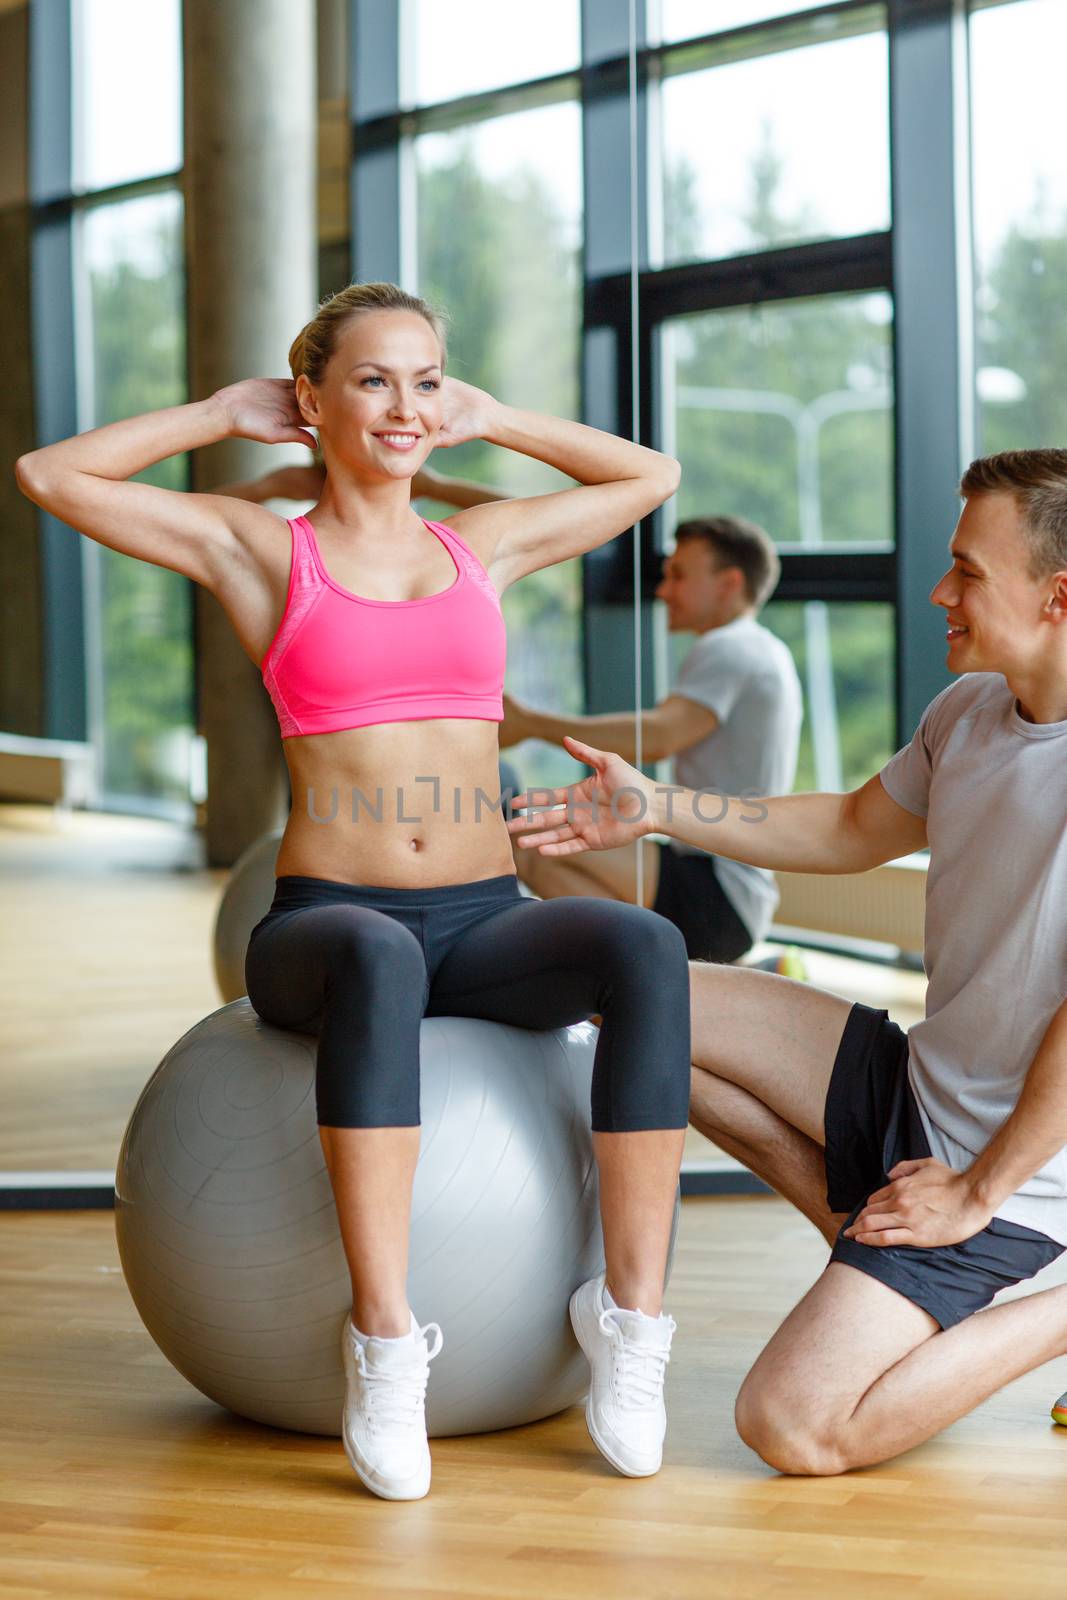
[341, 661]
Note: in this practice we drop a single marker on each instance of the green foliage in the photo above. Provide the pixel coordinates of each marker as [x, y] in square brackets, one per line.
[1022, 328]
[138, 330]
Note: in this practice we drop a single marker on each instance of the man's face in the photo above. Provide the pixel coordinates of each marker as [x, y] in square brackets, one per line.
[697, 592]
[993, 607]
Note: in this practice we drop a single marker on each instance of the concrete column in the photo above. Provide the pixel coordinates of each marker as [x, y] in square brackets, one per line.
[250, 135]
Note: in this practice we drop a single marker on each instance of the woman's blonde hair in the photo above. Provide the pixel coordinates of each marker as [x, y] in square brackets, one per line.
[316, 342]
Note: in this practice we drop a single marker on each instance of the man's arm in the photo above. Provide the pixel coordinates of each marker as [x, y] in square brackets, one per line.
[673, 725]
[796, 832]
[927, 1203]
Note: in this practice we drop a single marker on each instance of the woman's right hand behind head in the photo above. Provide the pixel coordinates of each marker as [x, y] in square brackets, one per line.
[264, 409]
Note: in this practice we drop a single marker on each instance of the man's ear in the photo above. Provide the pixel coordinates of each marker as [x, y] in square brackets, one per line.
[1056, 605]
[733, 581]
[307, 400]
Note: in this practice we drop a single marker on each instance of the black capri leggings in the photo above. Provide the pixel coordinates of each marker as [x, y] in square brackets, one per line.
[360, 966]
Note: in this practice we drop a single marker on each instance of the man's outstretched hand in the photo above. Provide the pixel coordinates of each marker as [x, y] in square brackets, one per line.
[611, 808]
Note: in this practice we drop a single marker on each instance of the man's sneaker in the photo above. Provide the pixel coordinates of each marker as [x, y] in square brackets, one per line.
[1059, 1411]
[628, 1355]
[384, 1424]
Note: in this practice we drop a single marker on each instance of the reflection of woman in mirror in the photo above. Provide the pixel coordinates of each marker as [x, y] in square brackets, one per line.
[381, 640]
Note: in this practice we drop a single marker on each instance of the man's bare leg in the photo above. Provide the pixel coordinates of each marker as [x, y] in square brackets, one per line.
[763, 1051]
[856, 1373]
[766, 1144]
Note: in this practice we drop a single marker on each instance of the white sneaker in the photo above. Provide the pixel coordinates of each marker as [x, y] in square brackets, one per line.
[384, 1423]
[628, 1355]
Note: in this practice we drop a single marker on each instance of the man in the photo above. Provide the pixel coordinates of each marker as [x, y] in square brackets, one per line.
[934, 1161]
[732, 723]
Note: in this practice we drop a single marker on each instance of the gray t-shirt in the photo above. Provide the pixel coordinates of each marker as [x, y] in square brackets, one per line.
[746, 675]
[993, 790]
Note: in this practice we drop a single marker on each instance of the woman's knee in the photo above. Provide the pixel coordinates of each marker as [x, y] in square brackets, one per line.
[373, 947]
[639, 942]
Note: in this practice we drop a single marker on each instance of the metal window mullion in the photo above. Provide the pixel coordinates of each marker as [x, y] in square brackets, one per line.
[52, 328]
[607, 631]
[852, 265]
[378, 174]
[928, 86]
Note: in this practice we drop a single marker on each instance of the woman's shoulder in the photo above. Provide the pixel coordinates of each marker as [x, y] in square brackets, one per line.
[262, 536]
[472, 530]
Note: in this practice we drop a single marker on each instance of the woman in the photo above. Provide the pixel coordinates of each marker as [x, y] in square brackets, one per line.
[299, 482]
[381, 642]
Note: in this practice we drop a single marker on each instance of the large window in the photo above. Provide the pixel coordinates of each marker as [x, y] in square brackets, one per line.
[684, 19]
[127, 90]
[480, 44]
[784, 413]
[795, 433]
[748, 167]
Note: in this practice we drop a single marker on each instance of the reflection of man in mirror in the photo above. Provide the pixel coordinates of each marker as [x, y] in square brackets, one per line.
[732, 723]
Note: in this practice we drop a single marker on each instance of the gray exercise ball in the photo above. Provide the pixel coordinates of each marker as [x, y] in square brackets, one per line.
[245, 901]
[229, 1241]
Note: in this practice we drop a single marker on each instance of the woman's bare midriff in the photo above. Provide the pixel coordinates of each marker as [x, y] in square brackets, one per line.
[401, 805]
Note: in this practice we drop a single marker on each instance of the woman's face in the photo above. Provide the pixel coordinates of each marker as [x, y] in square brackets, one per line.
[379, 406]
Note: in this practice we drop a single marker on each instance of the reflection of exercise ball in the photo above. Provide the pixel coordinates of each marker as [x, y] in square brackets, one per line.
[250, 889]
[229, 1240]
[245, 901]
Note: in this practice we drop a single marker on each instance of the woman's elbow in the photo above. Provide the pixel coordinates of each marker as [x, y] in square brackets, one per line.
[42, 479]
[28, 475]
[672, 476]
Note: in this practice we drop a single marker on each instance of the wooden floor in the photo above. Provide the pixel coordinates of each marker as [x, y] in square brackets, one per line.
[118, 1479]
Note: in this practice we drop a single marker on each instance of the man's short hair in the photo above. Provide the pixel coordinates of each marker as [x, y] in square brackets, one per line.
[1037, 481]
[736, 542]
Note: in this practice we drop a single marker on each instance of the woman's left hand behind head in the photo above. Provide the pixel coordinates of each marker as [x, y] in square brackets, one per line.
[467, 413]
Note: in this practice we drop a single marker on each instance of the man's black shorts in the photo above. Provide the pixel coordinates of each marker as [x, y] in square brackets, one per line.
[871, 1122]
[691, 896]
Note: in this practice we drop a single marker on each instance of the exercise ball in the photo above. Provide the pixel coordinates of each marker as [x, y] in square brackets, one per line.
[245, 901]
[229, 1240]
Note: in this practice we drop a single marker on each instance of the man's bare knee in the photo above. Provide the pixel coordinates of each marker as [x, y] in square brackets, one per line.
[776, 1426]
